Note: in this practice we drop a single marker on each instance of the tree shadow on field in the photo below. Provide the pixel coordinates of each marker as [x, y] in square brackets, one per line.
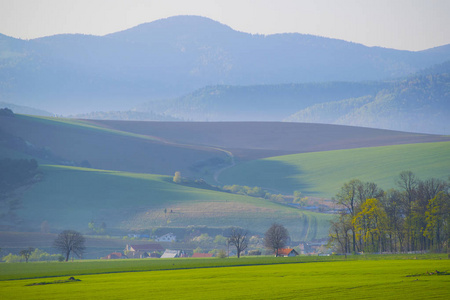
[272, 175]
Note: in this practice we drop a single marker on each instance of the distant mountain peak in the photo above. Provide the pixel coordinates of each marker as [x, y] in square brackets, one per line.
[175, 26]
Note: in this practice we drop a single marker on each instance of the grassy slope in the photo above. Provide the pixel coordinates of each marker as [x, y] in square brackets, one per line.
[106, 148]
[385, 279]
[71, 197]
[321, 174]
[135, 201]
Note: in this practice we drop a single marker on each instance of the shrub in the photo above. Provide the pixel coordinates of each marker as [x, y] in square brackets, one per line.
[254, 252]
[221, 254]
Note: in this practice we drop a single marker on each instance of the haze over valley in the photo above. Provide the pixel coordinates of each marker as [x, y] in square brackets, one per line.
[186, 126]
[192, 68]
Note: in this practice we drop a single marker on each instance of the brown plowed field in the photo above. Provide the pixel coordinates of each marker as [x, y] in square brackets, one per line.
[252, 140]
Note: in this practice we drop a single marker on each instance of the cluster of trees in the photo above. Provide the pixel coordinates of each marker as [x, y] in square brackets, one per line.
[252, 192]
[275, 238]
[31, 254]
[68, 242]
[414, 217]
[97, 228]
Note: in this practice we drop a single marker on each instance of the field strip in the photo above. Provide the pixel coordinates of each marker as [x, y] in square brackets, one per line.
[88, 124]
[19, 271]
[377, 278]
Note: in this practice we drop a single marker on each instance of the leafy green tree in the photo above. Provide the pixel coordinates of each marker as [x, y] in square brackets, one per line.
[413, 217]
[177, 177]
[438, 220]
[97, 229]
[370, 223]
[220, 240]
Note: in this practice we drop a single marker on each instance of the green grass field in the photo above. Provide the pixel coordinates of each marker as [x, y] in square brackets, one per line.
[372, 278]
[321, 174]
[70, 197]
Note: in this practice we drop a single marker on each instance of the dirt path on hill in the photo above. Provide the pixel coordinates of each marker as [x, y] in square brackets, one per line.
[218, 172]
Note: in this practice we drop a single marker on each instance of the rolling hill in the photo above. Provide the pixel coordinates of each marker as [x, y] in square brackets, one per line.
[72, 73]
[322, 174]
[128, 182]
[70, 197]
[80, 143]
[257, 102]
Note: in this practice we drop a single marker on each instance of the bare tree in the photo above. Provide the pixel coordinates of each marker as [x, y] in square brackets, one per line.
[238, 238]
[276, 237]
[26, 253]
[408, 183]
[70, 241]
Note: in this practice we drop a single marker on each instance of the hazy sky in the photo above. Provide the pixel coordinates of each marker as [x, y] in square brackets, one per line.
[399, 24]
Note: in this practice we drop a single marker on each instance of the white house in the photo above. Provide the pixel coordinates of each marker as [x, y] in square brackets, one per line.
[173, 253]
[170, 237]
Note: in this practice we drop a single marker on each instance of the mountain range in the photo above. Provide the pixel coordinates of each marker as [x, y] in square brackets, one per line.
[194, 68]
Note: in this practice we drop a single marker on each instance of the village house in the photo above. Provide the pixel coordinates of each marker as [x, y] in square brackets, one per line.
[169, 237]
[287, 252]
[142, 251]
[115, 255]
[173, 254]
[312, 247]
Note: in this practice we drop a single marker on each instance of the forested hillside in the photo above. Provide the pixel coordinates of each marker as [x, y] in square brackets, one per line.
[175, 56]
[256, 102]
[418, 104]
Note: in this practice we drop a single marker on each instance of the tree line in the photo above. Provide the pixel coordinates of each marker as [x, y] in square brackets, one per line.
[275, 238]
[413, 217]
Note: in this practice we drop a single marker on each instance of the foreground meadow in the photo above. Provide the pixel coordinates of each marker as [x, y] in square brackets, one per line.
[333, 279]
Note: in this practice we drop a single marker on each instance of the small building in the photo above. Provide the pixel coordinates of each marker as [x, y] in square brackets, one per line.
[169, 237]
[287, 252]
[138, 236]
[143, 251]
[202, 255]
[173, 253]
[115, 255]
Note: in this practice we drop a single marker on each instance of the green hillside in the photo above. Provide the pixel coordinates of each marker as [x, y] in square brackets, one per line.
[70, 197]
[321, 174]
[128, 197]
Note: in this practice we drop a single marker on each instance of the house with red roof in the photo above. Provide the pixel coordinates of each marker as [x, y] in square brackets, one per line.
[287, 252]
[115, 255]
